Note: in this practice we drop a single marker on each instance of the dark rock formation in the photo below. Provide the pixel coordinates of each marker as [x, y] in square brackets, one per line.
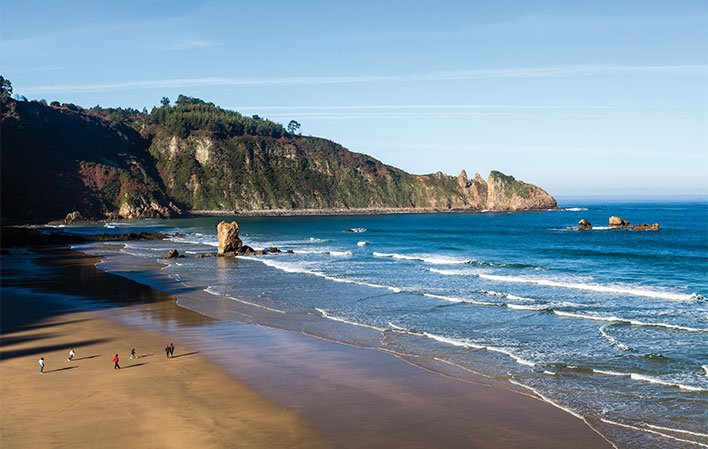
[647, 227]
[584, 224]
[20, 236]
[617, 222]
[172, 254]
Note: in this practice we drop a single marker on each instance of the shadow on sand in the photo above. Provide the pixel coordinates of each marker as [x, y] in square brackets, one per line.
[60, 369]
[87, 357]
[184, 355]
[134, 365]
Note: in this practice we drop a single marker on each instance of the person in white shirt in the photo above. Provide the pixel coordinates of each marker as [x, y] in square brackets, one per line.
[71, 354]
[41, 365]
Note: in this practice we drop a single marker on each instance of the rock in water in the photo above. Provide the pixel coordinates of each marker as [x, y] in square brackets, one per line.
[617, 222]
[646, 227]
[172, 254]
[228, 237]
[584, 224]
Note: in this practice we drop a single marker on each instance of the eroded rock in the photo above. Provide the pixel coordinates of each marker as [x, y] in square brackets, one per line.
[228, 238]
[647, 227]
[584, 225]
[617, 222]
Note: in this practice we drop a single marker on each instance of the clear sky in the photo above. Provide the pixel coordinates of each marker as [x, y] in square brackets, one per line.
[580, 97]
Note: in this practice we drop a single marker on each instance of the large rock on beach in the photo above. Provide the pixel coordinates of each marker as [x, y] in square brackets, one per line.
[172, 254]
[584, 224]
[617, 222]
[228, 238]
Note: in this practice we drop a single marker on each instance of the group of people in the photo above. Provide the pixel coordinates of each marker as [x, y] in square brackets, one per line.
[169, 350]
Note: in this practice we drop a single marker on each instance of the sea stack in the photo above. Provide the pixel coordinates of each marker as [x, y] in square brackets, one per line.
[617, 222]
[229, 243]
[583, 224]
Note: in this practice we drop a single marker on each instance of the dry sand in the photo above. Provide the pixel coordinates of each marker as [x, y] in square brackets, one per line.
[152, 402]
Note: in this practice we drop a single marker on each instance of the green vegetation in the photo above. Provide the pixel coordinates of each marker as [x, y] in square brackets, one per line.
[192, 114]
[5, 88]
[196, 155]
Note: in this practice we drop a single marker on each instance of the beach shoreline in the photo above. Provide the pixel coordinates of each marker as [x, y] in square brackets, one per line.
[152, 401]
[362, 389]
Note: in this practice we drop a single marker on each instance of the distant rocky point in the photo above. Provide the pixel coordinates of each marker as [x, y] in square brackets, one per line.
[104, 163]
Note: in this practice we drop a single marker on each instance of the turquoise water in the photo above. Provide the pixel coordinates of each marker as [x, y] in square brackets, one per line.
[609, 324]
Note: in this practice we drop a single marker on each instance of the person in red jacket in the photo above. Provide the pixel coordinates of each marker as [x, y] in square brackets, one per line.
[115, 361]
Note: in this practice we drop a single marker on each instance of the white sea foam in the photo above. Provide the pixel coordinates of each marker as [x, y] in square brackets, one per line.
[460, 300]
[324, 251]
[705, 370]
[614, 319]
[546, 399]
[212, 291]
[325, 314]
[619, 289]
[687, 432]
[426, 258]
[289, 267]
[644, 429]
[574, 209]
[526, 307]
[613, 341]
[454, 272]
[356, 230]
[362, 243]
[649, 379]
[195, 239]
[464, 344]
[109, 226]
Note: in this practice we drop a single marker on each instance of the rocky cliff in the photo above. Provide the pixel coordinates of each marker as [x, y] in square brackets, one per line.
[251, 172]
[56, 160]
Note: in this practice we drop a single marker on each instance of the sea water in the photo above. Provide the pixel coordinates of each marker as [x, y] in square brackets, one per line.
[609, 324]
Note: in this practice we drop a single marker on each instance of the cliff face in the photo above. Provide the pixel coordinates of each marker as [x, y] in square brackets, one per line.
[247, 173]
[56, 160]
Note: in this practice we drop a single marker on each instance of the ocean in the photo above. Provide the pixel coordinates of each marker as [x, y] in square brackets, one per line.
[610, 325]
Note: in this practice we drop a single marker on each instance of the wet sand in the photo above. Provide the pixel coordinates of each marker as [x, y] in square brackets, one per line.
[152, 401]
[353, 397]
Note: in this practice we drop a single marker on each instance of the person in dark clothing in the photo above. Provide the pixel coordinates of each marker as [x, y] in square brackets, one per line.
[167, 351]
[115, 361]
[172, 349]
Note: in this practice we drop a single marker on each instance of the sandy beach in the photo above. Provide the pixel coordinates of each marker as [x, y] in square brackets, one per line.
[239, 386]
[152, 401]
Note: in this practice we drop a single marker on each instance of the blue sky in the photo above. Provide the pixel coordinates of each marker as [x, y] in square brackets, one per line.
[580, 97]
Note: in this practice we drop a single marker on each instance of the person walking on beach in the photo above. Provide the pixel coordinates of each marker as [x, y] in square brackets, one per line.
[167, 351]
[71, 354]
[41, 365]
[172, 350]
[115, 361]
